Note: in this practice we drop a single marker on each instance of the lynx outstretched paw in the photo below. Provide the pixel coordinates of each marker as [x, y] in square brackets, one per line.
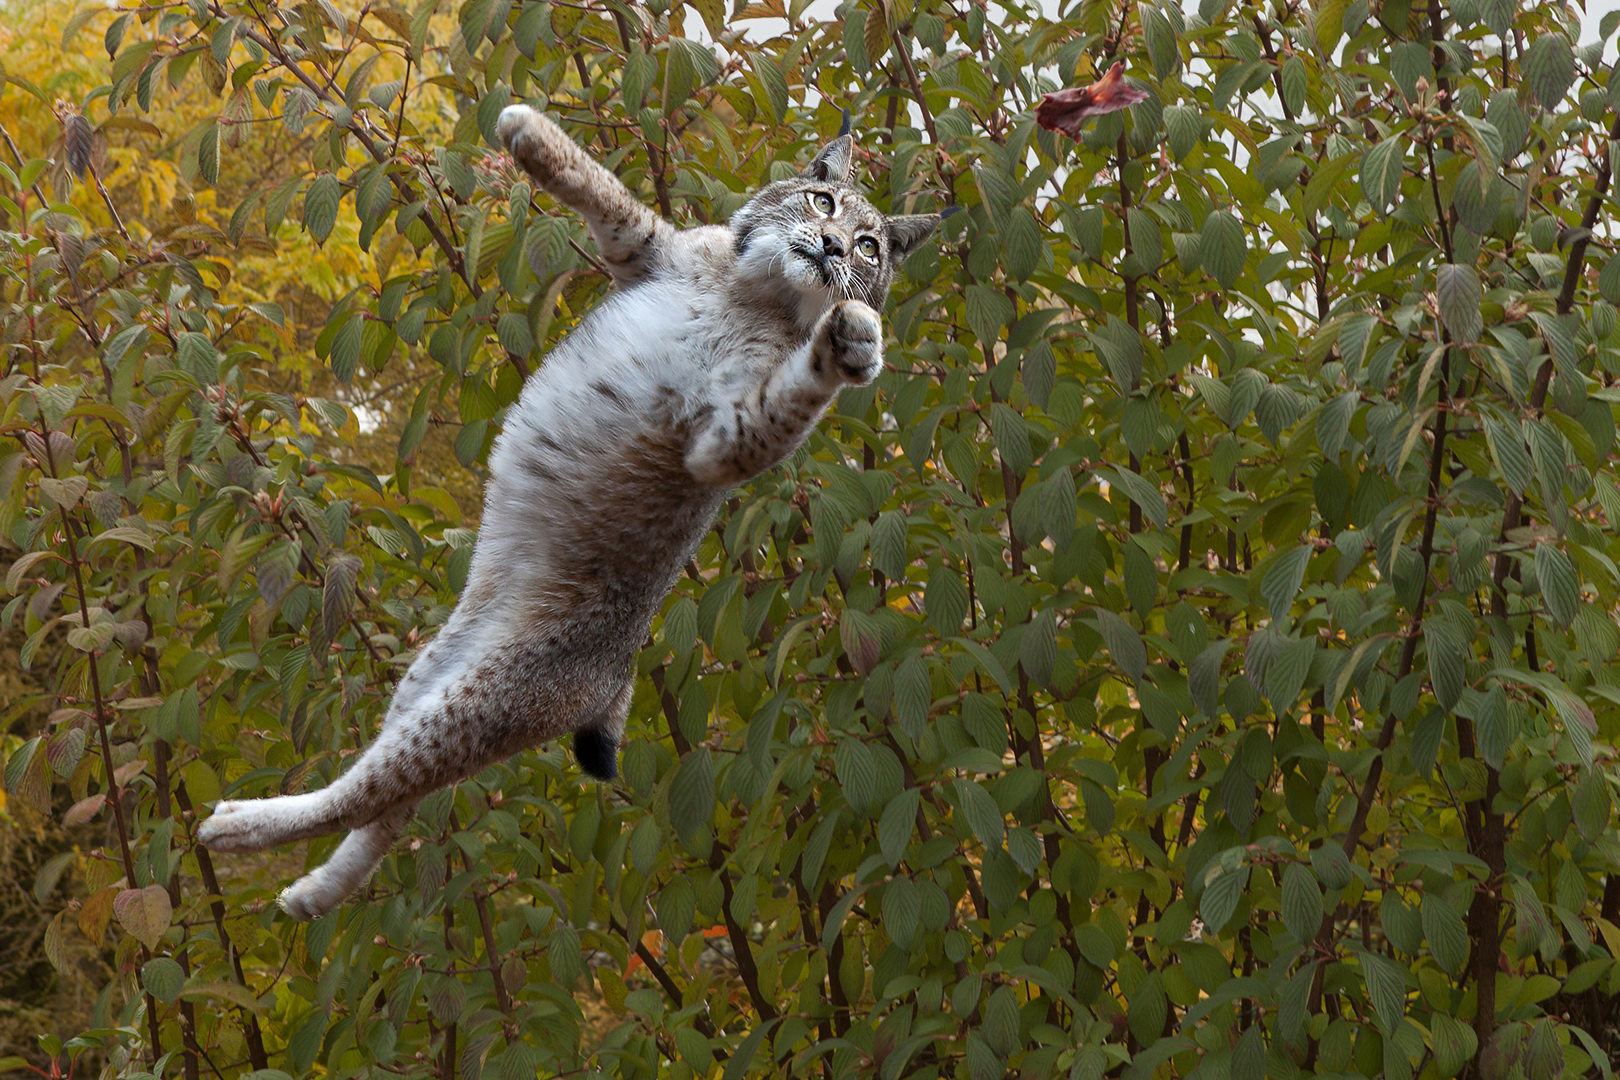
[523, 131]
[851, 335]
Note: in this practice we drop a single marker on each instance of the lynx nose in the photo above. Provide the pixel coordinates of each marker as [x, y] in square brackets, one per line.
[832, 245]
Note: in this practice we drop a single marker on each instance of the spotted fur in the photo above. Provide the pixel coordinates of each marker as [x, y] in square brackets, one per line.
[711, 362]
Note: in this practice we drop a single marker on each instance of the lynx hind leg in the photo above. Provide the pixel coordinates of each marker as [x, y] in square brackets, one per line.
[409, 759]
[321, 890]
[596, 745]
[628, 233]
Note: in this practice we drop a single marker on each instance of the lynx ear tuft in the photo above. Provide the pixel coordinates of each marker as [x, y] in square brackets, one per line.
[908, 231]
[844, 128]
[948, 212]
[833, 162]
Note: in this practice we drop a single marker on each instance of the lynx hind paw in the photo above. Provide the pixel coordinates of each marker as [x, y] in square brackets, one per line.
[311, 896]
[853, 334]
[247, 825]
[231, 828]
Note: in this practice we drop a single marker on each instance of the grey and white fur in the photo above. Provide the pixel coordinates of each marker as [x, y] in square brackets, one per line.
[711, 361]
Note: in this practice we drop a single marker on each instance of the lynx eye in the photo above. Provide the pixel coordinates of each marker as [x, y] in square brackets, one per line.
[822, 201]
[867, 246]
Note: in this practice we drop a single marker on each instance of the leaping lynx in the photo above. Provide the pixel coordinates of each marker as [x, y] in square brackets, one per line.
[712, 361]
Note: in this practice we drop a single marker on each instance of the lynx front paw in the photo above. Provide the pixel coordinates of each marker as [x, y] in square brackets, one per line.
[525, 132]
[849, 343]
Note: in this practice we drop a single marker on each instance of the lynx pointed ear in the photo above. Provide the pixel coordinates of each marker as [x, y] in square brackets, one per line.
[907, 231]
[833, 162]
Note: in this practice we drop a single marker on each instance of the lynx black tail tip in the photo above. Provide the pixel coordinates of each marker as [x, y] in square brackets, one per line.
[597, 753]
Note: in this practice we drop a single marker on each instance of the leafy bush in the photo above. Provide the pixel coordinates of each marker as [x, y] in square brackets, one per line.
[1195, 655]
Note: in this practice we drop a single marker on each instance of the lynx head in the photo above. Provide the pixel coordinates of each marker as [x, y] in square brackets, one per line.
[817, 235]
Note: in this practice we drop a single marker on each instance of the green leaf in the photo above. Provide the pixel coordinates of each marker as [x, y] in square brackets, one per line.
[1301, 902]
[1609, 279]
[145, 913]
[945, 599]
[1094, 945]
[1458, 292]
[1294, 83]
[857, 773]
[119, 345]
[1141, 491]
[987, 312]
[345, 354]
[1023, 244]
[1160, 39]
[1249, 1055]
[1454, 1044]
[1559, 584]
[1549, 68]
[1386, 987]
[321, 206]
[896, 825]
[338, 592]
[900, 911]
[208, 154]
[1448, 939]
[1476, 199]
[1287, 675]
[1508, 448]
[1221, 895]
[1185, 128]
[1332, 866]
[1448, 662]
[1037, 652]
[1204, 677]
[887, 543]
[688, 66]
[1381, 172]
[691, 795]
[775, 86]
[1225, 248]
[1124, 643]
[1293, 1003]
[162, 978]
[197, 355]
[981, 813]
[1535, 929]
[913, 696]
[1282, 580]
[1592, 805]
[1147, 1008]
[875, 33]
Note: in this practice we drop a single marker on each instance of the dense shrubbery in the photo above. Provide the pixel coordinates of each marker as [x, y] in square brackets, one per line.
[1196, 654]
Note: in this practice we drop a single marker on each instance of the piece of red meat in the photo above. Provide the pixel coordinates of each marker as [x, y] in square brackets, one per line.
[1066, 110]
